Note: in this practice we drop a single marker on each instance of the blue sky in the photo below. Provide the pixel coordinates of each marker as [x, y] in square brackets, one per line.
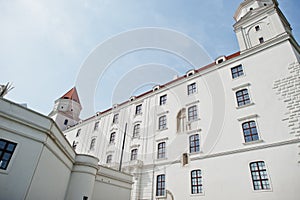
[45, 42]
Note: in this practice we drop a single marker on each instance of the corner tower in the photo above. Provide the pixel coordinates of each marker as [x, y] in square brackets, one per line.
[261, 22]
[66, 110]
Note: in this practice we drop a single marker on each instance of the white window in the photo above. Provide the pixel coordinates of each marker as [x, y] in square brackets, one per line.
[192, 113]
[162, 122]
[191, 88]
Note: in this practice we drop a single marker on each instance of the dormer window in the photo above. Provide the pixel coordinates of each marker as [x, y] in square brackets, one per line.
[190, 73]
[220, 59]
[257, 28]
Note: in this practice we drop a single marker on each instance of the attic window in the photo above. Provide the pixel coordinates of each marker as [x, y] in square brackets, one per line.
[220, 60]
[132, 98]
[190, 73]
[155, 88]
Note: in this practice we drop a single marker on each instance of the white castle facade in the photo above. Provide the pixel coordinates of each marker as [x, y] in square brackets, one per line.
[227, 130]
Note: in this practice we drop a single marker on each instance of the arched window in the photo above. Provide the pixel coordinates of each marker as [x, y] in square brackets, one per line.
[108, 159]
[136, 130]
[92, 145]
[134, 153]
[112, 138]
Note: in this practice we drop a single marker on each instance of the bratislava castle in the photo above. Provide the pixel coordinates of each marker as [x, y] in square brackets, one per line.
[228, 130]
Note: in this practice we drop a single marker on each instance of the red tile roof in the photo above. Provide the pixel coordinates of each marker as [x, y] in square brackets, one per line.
[72, 95]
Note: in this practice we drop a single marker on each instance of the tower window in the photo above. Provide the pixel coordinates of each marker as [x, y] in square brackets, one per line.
[78, 133]
[112, 138]
[160, 185]
[196, 179]
[163, 100]
[257, 28]
[66, 122]
[96, 126]
[138, 109]
[7, 149]
[116, 119]
[108, 159]
[134, 153]
[136, 130]
[261, 40]
[250, 131]
[242, 97]
[259, 175]
[92, 145]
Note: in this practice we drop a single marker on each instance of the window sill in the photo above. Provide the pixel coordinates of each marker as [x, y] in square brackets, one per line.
[161, 197]
[198, 194]
[195, 153]
[193, 120]
[263, 190]
[253, 142]
[161, 159]
[163, 129]
[239, 77]
[244, 106]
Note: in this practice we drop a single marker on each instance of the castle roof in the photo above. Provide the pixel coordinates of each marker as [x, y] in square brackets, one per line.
[72, 95]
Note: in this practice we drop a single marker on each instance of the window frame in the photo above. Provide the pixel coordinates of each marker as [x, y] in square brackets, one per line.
[163, 100]
[161, 150]
[96, 125]
[133, 154]
[239, 71]
[138, 109]
[78, 132]
[263, 179]
[191, 88]
[92, 144]
[245, 101]
[162, 122]
[250, 128]
[194, 143]
[192, 113]
[108, 159]
[115, 118]
[160, 185]
[6, 151]
[198, 183]
[136, 130]
[112, 138]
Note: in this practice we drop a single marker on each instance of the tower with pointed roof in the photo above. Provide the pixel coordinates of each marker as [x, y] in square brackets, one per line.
[261, 23]
[66, 110]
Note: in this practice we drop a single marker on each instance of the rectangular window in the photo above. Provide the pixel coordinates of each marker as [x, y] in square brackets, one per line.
[7, 149]
[134, 153]
[250, 131]
[116, 118]
[192, 113]
[78, 133]
[242, 97]
[194, 143]
[257, 28]
[136, 130]
[161, 150]
[96, 126]
[92, 145]
[112, 138]
[138, 109]
[259, 176]
[191, 88]
[108, 159]
[237, 71]
[196, 179]
[163, 100]
[162, 122]
[160, 185]
[261, 40]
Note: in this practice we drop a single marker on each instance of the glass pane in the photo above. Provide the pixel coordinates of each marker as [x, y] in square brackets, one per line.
[2, 144]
